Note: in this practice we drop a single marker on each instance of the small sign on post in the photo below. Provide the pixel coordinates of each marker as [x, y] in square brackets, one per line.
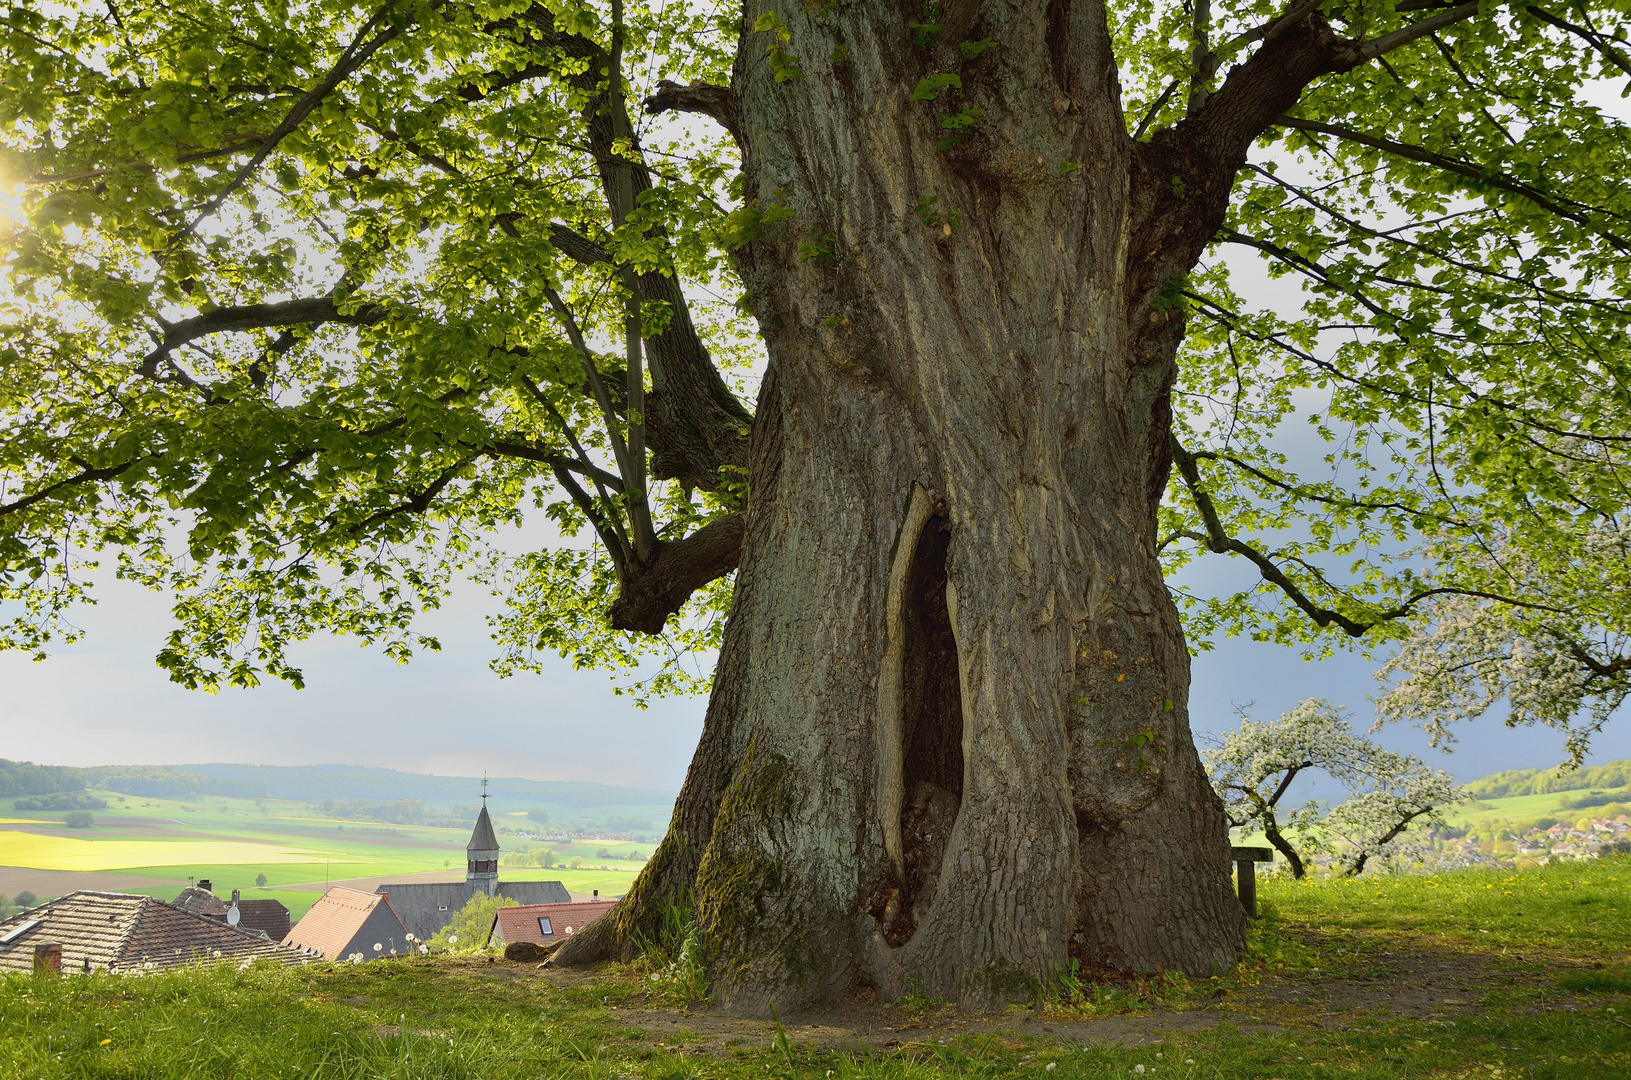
[1246, 860]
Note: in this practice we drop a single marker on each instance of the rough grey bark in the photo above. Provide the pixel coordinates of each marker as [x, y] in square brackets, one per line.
[949, 736]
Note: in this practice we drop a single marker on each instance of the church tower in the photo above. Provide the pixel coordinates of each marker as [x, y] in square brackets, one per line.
[481, 854]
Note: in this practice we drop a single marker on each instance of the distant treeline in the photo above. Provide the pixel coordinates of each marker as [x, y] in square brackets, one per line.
[1544, 781]
[1596, 798]
[27, 778]
[60, 801]
[367, 792]
[147, 781]
[397, 812]
[314, 783]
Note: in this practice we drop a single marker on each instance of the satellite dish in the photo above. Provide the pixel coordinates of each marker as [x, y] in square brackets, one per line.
[233, 915]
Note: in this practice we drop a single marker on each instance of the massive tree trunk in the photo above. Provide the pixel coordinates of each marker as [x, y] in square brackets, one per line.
[948, 741]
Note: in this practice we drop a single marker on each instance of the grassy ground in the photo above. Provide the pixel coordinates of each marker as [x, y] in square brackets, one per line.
[1369, 980]
[1578, 909]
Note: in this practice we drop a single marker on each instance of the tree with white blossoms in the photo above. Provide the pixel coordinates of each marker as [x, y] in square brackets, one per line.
[1253, 768]
[1551, 651]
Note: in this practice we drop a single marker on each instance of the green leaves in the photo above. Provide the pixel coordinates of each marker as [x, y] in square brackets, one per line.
[284, 477]
[783, 64]
[930, 85]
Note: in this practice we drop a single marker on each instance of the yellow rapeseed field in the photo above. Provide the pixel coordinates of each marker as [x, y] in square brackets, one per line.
[70, 853]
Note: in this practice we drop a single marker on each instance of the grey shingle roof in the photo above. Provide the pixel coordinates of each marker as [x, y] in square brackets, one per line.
[482, 838]
[125, 932]
[426, 907]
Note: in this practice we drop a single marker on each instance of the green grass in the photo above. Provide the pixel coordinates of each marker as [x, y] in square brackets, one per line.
[1596, 982]
[1580, 908]
[1555, 1018]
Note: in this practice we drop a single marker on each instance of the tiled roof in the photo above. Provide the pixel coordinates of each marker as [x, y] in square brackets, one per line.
[426, 907]
[524, 923]
[335, 919]
[482, 838]
[268, 915]
[196, 901]
[123, 932]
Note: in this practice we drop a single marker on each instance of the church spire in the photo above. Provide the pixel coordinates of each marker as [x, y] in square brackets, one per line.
[481, 854]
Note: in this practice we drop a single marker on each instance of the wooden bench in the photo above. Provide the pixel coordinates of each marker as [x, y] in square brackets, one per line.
[1246, 860]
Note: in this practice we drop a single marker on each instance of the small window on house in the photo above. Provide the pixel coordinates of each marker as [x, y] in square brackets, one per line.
[442, 908]
[544, 926]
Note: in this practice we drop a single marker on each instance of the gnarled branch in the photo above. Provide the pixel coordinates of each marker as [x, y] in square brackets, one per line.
[677, 569]
[699, 97]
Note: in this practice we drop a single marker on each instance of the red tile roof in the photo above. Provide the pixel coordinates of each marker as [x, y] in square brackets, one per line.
[124, 932]
[523, 923]
[335, 919]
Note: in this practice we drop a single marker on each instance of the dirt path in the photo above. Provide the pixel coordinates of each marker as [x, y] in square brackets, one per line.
[1365, 976]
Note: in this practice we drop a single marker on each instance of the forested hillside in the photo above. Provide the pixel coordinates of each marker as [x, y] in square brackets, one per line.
[317, 783]
[1543, 781]
[148, 781]
[27, 778]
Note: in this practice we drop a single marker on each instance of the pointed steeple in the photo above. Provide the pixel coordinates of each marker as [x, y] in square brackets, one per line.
[481, 854]
[482, 838]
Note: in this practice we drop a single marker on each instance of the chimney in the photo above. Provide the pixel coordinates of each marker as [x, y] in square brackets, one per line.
[597, 894]
[204, 883]
[47, 957]
[234, 896]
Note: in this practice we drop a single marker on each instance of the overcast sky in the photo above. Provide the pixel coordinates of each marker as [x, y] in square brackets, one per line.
[104, 701]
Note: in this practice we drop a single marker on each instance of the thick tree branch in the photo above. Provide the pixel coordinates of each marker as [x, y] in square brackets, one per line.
[677, 569]
[695, 426]
[1370, 50]
[303, 312]
[705, 98]
[1184, 175]
[580, 249]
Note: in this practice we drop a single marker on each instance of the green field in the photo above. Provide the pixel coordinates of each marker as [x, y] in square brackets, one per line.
[158, 846]
[1521, 808]
[1407, 978]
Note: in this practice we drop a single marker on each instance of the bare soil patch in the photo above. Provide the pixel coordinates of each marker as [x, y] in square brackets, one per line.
[16, 879]
[1418, 978]
[1368, 975]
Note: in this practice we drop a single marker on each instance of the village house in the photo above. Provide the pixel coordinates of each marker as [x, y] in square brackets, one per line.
[543, 924]
[347, 924]
[120, 932]
[267, 917]
[426, 907]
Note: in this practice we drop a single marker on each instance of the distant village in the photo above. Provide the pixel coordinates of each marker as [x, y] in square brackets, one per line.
[88, 931]
[1586, 838]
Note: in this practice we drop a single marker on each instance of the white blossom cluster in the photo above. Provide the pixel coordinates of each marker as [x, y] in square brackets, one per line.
[1252, 769]
[1563, 660]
